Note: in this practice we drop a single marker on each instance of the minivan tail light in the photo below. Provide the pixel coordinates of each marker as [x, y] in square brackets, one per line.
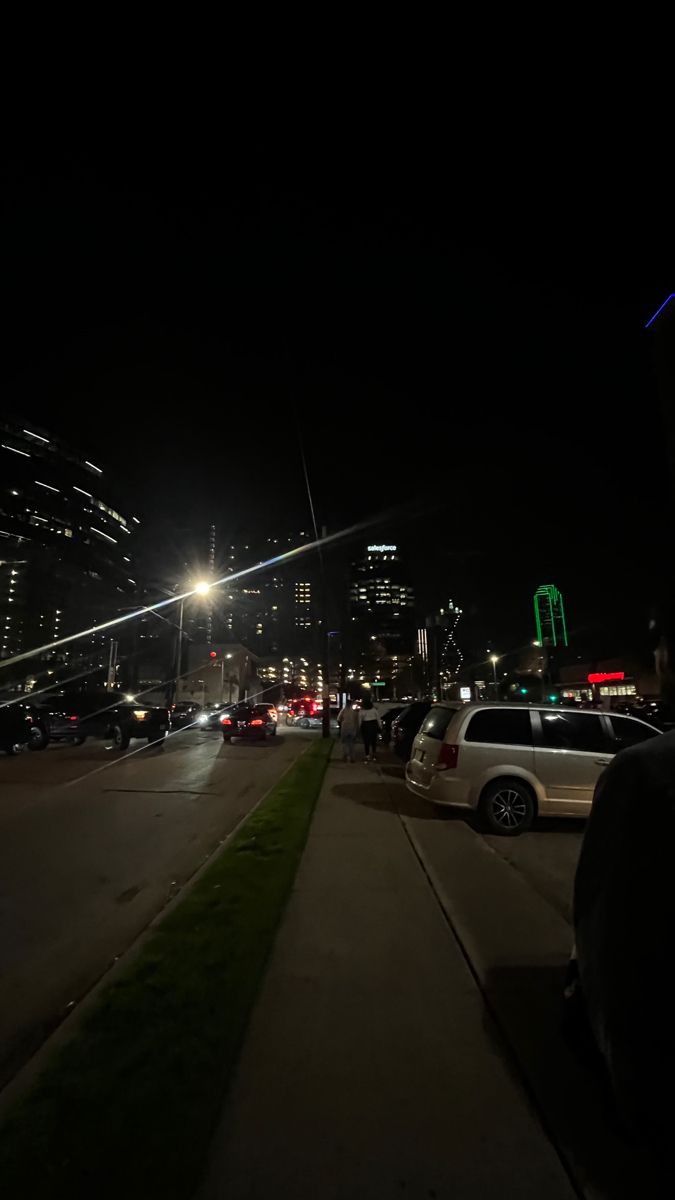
[448, 756]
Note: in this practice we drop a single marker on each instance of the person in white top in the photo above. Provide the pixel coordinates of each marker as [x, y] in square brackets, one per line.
[348, 720]
[370, 728]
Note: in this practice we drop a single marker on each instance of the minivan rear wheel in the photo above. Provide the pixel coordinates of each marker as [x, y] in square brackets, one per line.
[506, 807]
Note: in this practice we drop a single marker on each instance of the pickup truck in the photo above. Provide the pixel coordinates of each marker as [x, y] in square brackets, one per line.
[75, 718]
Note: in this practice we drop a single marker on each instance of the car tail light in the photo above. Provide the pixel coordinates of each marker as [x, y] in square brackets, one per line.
[225, 721]
[448, 757]
[72, 718]
[257, 721]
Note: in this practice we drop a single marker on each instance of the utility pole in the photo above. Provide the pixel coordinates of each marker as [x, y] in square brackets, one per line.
[112, 664]
[545, 660]
[325, 714]
[179, 653]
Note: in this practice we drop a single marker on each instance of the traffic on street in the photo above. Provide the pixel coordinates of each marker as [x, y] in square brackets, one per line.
[93, 845]
[337, 669]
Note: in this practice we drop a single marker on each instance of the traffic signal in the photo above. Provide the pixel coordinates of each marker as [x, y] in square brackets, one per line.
[523, 691]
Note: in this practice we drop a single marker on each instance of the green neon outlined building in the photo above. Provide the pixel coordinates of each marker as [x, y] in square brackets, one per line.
[549, 612]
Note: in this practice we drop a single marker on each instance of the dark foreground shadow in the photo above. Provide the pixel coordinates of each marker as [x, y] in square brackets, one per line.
[391, 795]
[257, 744]
[561, 825]
[568, 1086]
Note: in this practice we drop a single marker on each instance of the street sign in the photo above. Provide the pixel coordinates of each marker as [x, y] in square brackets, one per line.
[465, 693]
[378, 683]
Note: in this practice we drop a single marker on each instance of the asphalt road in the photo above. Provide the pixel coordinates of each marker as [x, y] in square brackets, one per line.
[92, 846]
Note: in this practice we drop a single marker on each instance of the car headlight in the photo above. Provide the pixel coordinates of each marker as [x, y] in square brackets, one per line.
[202, 718]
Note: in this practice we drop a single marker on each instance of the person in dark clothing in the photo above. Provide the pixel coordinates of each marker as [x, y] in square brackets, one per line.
[370, 728]
[624, 917]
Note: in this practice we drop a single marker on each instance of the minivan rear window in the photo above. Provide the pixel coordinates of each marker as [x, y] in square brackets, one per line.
[628, 732]
[436, 722]
[504, 726]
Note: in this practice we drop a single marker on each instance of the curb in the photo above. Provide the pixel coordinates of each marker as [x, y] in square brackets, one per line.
[30, 1071]
[516, 946]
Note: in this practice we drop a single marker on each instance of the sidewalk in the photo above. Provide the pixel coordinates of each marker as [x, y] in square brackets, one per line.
[371, 1067]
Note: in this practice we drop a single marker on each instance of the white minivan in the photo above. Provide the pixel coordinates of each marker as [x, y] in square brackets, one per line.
[512, 762]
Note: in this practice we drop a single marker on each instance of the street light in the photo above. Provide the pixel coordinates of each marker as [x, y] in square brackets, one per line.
[200, 589]
[494, 660]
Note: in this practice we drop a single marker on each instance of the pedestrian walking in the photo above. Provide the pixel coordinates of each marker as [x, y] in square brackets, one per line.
[370, 728]
[348, 721]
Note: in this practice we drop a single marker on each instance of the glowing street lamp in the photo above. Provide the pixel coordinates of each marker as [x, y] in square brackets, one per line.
[494, 659]
[200, 589]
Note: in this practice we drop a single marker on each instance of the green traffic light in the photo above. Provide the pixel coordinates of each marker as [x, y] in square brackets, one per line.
[553, 698]
[523, 691]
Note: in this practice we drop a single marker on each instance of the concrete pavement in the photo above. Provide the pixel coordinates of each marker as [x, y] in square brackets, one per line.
[372, 1066]
[92, 846]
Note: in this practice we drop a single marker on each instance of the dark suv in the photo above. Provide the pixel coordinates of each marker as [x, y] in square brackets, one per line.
[106, 715]
[404, 727]
[248, 721]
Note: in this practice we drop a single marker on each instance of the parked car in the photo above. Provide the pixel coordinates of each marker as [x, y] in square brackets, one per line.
[106, 715]
[655, 712]
[512, 763]
[16, 723]
[405, 726]
[248, 721]
[387, 719]
[184, 713]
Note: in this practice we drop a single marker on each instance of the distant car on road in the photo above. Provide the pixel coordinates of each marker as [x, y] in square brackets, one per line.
[209, 717]
[248, 721]
[184, 713]
[271, 709]
[314, 720]
[16, 724]
[405, 726]
[512, 762]
[105, 715]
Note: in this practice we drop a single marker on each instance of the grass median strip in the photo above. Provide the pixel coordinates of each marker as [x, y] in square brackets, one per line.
[127, 1107]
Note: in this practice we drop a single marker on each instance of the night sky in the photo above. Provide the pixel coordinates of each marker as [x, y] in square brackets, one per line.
[456, 355]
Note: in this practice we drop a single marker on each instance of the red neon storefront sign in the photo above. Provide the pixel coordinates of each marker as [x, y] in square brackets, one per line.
[606, 676]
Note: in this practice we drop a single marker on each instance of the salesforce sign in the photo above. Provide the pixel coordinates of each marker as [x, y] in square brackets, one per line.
[378, 549]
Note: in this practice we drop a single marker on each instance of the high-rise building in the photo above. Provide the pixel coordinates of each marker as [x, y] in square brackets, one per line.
[382, 601]
[549, 612]
[270, 604]
[65, 550]
[438, 656]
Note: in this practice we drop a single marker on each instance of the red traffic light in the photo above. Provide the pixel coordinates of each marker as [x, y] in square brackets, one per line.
[213, 654]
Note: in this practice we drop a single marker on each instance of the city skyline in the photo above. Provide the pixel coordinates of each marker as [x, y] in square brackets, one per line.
[491, 401]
